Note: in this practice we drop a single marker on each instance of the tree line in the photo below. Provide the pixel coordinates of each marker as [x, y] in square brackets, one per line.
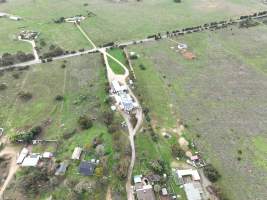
[10, 59]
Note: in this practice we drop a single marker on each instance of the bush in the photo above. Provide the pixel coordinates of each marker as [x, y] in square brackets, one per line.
[59, 98]
[211, 173]
[108, 118]
[15, 76]
[142, 67]
[85, 122]
[159, 166]
[3, 86]
[25, 96]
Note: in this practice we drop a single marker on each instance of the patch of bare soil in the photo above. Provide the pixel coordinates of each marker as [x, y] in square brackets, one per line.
[188, 55]
[4, 168]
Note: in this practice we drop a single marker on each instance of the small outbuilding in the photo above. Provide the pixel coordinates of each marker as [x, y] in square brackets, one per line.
[61, 170]
[164, 192]
[76, 153]
[47, 155]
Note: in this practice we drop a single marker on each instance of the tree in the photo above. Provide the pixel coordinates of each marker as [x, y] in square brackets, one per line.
[3, 86]
[85, 122]
[59, 98]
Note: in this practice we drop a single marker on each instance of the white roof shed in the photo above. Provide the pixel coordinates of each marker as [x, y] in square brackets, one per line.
[31, 160]
[76, 153]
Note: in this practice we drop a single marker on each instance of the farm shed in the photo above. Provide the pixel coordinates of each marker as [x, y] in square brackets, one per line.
[145, 193]
[76, 153]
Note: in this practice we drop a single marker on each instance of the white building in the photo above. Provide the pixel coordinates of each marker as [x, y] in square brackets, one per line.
[188, 172]
[31, 160]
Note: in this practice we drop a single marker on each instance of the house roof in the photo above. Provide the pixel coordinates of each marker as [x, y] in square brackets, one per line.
[191, 192]
[145, 193]
[188, 172]
[31, 160]
[87, 168]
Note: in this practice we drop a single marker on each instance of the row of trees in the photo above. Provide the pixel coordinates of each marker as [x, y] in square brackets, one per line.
[10, 59]
[54, 51]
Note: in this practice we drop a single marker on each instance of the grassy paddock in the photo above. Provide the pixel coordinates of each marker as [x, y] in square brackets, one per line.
[132, 19]
[220, 96]
[119, 55]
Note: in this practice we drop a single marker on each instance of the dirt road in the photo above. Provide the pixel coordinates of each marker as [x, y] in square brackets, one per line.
[11, 152]
[139, 115]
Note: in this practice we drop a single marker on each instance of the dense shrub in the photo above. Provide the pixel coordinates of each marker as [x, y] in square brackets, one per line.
[85, 122]
[25, 96]
[177, 151]
[211, 173]
[159, 167]
[9, 59]
[59, 98]
[53, 52]
[3, 86]
[26, 137]
[16, 75]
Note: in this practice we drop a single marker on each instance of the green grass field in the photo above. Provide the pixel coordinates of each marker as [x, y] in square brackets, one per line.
[79, 80]
[220, 96]
[119, 55]
[132, 19]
